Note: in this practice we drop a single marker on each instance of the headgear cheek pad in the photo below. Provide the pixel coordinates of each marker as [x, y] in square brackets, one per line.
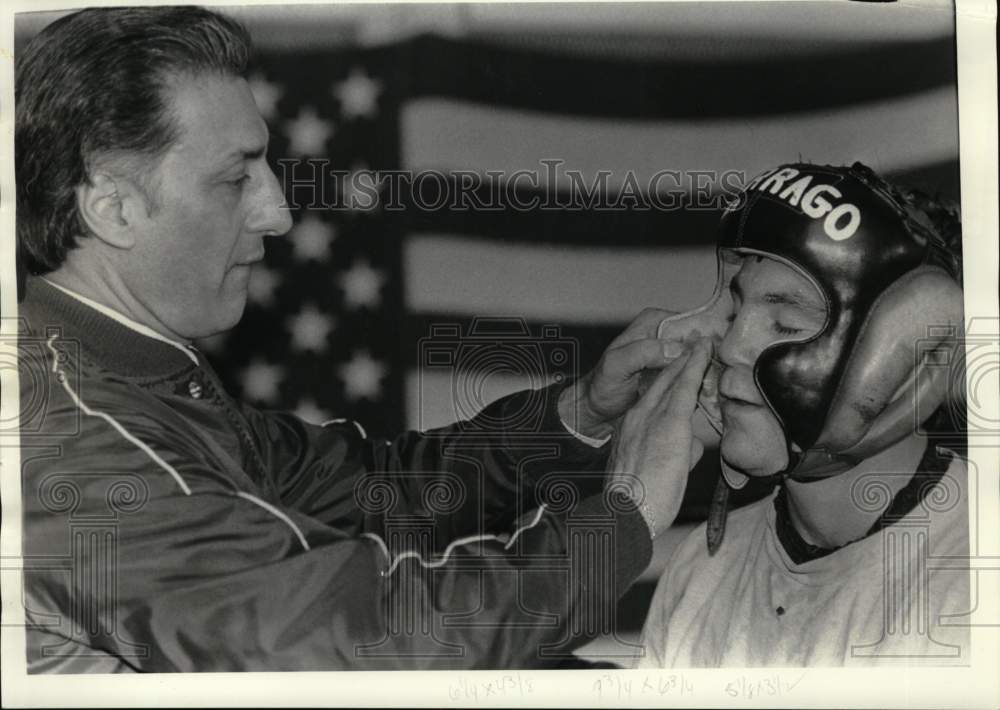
[710, 321]
[892, 295]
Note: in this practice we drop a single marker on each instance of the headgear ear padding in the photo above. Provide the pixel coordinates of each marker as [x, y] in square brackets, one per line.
[900, 369]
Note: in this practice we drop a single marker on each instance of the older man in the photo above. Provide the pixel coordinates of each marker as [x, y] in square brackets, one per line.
[169, 527]
[837, 317]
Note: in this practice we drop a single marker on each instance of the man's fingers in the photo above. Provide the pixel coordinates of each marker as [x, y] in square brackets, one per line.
[659, 387]
[647, 353]
[697, 449]
[642, 326]
[684, 394]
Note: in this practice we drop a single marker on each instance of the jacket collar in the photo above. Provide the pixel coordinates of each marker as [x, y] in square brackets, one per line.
[111, 339]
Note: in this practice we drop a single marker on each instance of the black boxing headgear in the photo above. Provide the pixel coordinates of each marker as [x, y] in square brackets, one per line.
[893, 299]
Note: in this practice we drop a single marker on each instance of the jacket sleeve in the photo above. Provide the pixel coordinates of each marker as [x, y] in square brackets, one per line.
[216, 581]
[148, 558]
[473, 476]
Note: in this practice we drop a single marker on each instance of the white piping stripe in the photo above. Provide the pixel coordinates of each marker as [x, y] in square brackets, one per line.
[533, 523]
[342, 420]
[444, 558]
[61, 376]
[125, 320]
[277, 513]
[381, 543]
[455, 543]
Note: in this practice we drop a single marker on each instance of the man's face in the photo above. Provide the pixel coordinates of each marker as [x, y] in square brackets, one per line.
[772, 302]
[214, 199]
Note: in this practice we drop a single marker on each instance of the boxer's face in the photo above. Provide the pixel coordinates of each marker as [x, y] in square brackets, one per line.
[771, 303]
[214, 199]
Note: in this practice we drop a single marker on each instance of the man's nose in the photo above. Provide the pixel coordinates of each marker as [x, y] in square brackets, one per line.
[270, 213]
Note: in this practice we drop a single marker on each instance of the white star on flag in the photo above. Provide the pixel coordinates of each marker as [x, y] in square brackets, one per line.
[308, 133]
[261, 380]
[263, 281]
[266, 95]
[362, 377]
[310, 329]
[358, 94]
[307, 410]
[311, 238]
[362, 285]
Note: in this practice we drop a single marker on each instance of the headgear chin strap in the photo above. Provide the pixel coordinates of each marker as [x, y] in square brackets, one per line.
[894, 314]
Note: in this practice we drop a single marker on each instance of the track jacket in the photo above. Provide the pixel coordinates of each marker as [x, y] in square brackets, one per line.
[168, 527]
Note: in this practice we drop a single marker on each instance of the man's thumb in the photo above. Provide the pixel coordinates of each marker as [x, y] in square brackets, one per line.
[697, 449]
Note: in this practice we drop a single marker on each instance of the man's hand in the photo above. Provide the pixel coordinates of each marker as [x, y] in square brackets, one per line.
[593, 404]
[655, 448]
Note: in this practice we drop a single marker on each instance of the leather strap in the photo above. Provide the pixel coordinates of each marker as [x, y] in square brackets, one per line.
[718, 510]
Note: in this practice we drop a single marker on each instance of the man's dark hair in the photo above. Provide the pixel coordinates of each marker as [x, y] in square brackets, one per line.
[91, 86]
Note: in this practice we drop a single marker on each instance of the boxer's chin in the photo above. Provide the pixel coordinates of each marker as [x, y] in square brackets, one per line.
[753, 445]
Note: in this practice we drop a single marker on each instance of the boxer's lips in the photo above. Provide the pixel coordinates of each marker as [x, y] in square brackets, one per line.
[250, 260]
[736, 390]
[733, 399]
[734, 406]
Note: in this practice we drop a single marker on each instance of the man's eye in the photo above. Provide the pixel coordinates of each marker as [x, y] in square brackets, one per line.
[240, 181]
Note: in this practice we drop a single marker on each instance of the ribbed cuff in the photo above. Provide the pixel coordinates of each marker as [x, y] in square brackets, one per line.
[553, 423]
[552, 415]
[632, 541]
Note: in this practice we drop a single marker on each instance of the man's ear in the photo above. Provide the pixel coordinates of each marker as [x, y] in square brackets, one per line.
[103, 203]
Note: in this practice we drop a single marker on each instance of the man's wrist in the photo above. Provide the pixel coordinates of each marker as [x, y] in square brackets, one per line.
[637, 496]
[649, 515]
[633, 545]
[577, 417]
[588, 440]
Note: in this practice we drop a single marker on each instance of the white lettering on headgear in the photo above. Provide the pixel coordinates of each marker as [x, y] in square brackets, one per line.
[841, 221]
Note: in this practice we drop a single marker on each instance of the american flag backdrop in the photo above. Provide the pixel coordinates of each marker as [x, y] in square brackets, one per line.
[352, 311]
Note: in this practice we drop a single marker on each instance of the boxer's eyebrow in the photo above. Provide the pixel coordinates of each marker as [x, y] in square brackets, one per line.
[784, 298]
[792, 299]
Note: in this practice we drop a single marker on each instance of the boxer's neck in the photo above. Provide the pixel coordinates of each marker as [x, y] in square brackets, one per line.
[835, 511]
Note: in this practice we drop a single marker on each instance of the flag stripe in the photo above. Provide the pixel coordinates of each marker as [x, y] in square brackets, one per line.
[772, 26]
[455, 275]
[896, 135]
[554, 219]
[678, 89]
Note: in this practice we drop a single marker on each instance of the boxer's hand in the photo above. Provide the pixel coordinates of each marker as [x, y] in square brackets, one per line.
[594, 403]
[655, 448]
